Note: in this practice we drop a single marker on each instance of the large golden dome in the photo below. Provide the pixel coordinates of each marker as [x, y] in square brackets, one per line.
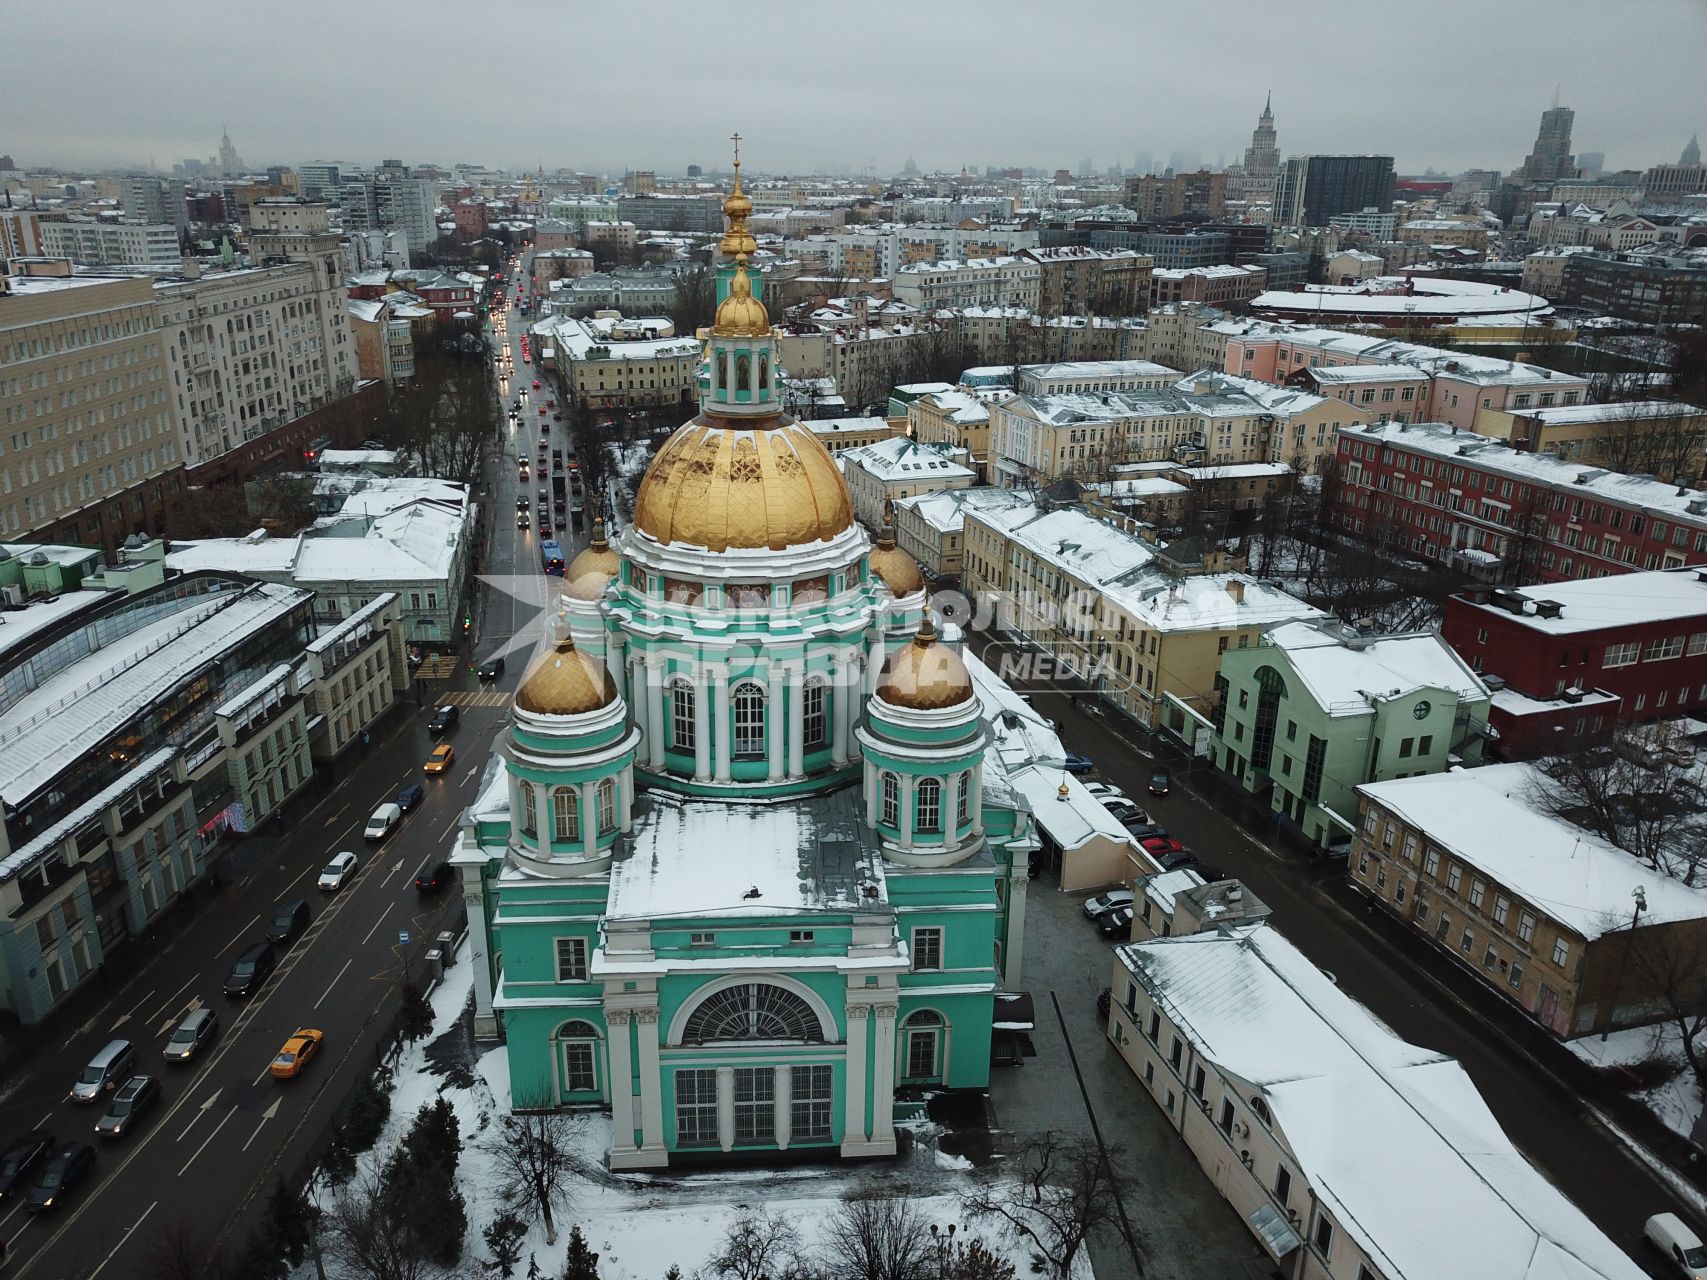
[924, 675]
[590, 571]
[566, 682]
[741, 315]
[899, 572]
[720, 483]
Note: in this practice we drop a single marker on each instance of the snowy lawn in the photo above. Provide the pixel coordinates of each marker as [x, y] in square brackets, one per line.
[1677, 1101]
[642, 1224]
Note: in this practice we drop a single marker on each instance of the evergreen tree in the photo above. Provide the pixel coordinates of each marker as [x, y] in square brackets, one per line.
[503, 1236]
[674, 1273]
[582, 1263]
[370, 1108]
[289, 1222]
[420, 1183]
[415, 1018]
[534, 1273]
[339, 1163]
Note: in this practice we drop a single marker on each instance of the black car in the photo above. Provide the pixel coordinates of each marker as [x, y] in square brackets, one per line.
[491, 669]
[444, 720]
[433, 877]
[288, 924]
[1159, 782]
[134, 1100]
[522, 503]
[1116, 923]
[411, 796]
[1174, 861]
[60, 1176]
[1146, 831]
[252, 969]
[19, 1162]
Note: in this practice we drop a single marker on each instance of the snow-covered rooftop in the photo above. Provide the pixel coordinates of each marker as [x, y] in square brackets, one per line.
[1620, 411]
[1400, 297]
[945, 510]
[1620, 600]
[1489, 819]
[903, 458]
[1346, 676]
[18, 625]
[1392, 1137]
[1349, 373]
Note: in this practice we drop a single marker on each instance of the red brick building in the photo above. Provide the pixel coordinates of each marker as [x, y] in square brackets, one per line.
[1577, 658]
[1484, 508]
[471, 219]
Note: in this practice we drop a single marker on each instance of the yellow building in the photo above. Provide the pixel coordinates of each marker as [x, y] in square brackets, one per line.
[1666, 439]
[957, 419]
[1142, 625]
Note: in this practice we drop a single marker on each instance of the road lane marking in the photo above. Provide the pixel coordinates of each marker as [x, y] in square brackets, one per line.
[235, 938]
[334, 982]
[395, 868]
[266, 1115]
[378, 920]
[129, 1231]
[172, 1000]
[210, 1137]
[125, 1016]
[281, 893]
[200, 1112]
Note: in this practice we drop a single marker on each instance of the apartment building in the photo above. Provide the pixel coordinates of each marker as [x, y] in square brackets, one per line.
[956, 419]
[91, 452]
[156, 201]
[1507, 515]
[1143, 626]
[1574, 659]
[1094, 376]
[605, 371]
[1077, 280]
[869, 253]
[1312, 710]
[1658, 284]
[883, 473]
[1663, 438]
[1222, 286]
[1318, 1125]
[1180, 336]
[131, 244]
[930, 526]
[20, 233]
[1539, 910]
[979, 282]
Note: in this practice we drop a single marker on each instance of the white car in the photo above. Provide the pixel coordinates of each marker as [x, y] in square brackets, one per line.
[1103, 790]
[1681, 1248]
[338, 871]
[1104, 902]
[385, 820]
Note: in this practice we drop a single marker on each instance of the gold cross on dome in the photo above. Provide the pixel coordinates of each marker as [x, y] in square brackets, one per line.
[736, 139]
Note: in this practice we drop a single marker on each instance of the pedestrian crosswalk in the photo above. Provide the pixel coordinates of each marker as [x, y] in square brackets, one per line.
[477, 698]
[438, 667]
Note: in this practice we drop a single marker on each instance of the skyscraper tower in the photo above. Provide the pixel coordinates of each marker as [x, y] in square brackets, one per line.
[230, 164]
[1262, 157]
[1551, 159]
[1691, 153]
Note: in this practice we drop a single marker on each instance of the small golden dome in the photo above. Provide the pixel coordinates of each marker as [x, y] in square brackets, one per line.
[737, 208]
[590, 571]
[750, 483]
[566, 682]
[899, 572]
[741, 315]
[924, 675]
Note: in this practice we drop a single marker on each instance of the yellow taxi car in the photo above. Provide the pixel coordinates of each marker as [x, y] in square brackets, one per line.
[441, 758]
[297, 1053]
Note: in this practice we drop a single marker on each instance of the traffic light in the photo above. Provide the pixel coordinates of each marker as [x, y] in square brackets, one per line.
[467, 624]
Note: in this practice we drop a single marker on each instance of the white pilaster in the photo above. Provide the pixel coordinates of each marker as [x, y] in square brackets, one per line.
[775, 680]
[722, 725]
[853, 1109]
[782, 1115]
[621, 1082]
[702, 727]
[873, 788]
[616, 662]
[977, 800]
[1013, 942]
[589, 820]
[797, 723]
[841, 703]
[625, 799]
[655, 712]
[909, 785]
[883, 1079]
[726, 1108]
[542, 817]
[485, 1021]
[651, 1084]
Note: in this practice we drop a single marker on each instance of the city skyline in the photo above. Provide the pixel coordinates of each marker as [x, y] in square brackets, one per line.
[1022, 111]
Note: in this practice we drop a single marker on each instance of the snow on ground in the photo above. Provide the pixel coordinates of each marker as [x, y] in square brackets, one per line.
[1678, 1101]
[641, 1224]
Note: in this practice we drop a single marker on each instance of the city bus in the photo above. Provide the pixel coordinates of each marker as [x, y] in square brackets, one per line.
[552, 553]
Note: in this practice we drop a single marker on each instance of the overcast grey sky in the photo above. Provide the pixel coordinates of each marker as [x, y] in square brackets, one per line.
[1451, 84]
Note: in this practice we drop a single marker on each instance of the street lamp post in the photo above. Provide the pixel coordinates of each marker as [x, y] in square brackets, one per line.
[1641, 899]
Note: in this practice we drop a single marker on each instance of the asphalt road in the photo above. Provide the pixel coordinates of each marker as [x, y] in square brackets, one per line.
[1547, 1121]
[224, 1129]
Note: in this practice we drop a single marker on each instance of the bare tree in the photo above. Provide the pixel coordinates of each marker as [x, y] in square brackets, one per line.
[876, 1235]
[1642, 793]
[181, 1250]
[756, 1246]
[442, 419]
[1665, 969]
[372, 1234]
[535, 1156]
[1061, 1188]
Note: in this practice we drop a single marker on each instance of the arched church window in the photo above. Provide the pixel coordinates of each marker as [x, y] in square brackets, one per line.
[891, 800]
[752, 1011]
[764, 372]
[524, 791]
[722, 371]
[578, 1052]
[566, 813]
[929, 816]
[607, 806]
[749, 700]
[812, 713]
[743, 373]
[681, 716]
[963, 806]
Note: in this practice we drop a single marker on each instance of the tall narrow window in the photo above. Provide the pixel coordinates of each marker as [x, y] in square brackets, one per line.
[681, 716]
[891, 800]
[566, 813]
[812, 1102]
[696, 1107]
[923, 1045]
[743, 373]
[749, 720]
[607, 806]
[578, 1046]
[963, 802]
[929, 816]
[722, 371]
[755, 1104]
[571, 959]
[530, 824]
[812, 712]
[764, 372]
[927, 948]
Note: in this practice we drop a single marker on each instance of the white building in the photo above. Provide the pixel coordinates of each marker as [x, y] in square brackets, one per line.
[980, 282]
[880, 251]
[1351, 1154]
[1094, 375]
[930, 526]
[117, 243]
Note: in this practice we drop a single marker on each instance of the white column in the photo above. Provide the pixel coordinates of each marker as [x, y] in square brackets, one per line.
[841, 700]
[775, 680]
[616, 662]
[782, 1116]
[722, 726]
[542, 816]
[625, 799]
[853, 1108]
[589, 819]
[702, 727]
[621, 1072]
[726, 1108]
[883, 1078]
[977, 799]
[651, 1084]
[873, 784]
[908, 785]
[873, 662]
[1013, 943]
[797, 723]
[655, 712]
[485, 1021]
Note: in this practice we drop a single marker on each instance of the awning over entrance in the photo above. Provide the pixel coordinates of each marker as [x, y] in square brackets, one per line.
[1274, 1231]
[1014, 1012]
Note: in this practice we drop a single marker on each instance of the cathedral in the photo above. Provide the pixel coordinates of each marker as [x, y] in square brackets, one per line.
[745, 872]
